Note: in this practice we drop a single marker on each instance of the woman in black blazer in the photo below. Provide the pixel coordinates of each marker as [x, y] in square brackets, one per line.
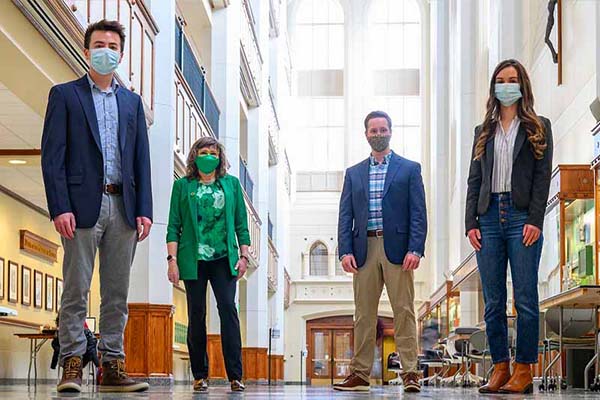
[508, 185]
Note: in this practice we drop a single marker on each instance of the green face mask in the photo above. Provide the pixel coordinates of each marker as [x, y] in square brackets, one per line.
[207, 163]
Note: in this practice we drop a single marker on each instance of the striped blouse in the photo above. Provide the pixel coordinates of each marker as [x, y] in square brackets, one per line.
[504, 145]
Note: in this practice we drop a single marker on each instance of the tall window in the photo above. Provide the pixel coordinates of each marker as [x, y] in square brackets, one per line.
[318, 260]
[395, 60]
[318, 47]
[339, 271]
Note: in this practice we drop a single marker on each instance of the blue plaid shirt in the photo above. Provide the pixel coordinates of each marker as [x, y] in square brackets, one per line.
[377, 173]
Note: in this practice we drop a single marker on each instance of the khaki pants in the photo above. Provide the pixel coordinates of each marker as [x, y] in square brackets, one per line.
[368, 284]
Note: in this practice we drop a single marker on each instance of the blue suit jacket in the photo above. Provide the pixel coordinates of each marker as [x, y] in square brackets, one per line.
[404, 211]
[72, 163]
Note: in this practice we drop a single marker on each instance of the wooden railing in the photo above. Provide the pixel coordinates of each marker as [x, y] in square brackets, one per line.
[190, 122]
[272, 272]
[273, 128]
[136, 70]
[254, 224]
[251, 57]
[287, 288]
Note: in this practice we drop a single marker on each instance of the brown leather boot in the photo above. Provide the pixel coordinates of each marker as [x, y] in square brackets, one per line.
[521, 380]
[71, 377]
[115, 379]
[499, 378]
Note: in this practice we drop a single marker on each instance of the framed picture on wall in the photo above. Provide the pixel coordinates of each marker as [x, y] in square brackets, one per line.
[13, 282]
[49, 292]
[38, 284]
[1, 278]
[25, 285]
[59, 290]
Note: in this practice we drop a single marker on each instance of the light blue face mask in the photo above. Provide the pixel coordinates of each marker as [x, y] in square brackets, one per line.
[104, 60]
[508, 93]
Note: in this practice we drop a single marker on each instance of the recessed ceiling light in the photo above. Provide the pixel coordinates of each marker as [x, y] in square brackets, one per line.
[17, 162]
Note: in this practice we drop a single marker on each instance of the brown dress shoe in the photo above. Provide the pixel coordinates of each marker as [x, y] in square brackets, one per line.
[71, 376]
[521, 380]
[499, 378]
[201, 385]
[115, 379]
[411, 383]
[352, 383]
[237, 386]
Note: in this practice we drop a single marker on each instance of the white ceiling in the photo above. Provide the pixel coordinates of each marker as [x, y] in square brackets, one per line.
[20, 128]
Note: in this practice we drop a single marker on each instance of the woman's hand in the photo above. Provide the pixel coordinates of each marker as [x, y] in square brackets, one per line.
[173, 272]
[241, 267]
[531, 234]
[475, 238]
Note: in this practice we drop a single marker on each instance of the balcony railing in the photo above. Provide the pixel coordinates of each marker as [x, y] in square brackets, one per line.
[246, 180]
[194, 76]
[287, 179]
[254, 224]
[190, 122]
[272, 273]
[251, 68]
[270, 225]
[287, 289]
[136, 70]
[274, 12]
[274, 128]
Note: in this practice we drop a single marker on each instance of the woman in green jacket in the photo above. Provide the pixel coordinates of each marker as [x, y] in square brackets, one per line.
[207, 241]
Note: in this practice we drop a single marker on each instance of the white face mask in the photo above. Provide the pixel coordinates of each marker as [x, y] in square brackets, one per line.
[507, 93]
[104, 60]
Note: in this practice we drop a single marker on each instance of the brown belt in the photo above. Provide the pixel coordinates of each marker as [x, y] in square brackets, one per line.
[113, 189]
[375, 233]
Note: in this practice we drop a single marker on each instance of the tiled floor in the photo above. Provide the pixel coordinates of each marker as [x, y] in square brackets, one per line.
[21, 392]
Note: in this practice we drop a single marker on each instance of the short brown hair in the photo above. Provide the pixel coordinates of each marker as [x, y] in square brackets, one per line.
[378, 114]
[104, 25]
[191, 170]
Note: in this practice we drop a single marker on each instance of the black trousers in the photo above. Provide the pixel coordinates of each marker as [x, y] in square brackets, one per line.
[223, 285]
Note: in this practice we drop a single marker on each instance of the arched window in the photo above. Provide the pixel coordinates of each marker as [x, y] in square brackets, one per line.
[394, 46]
[318, 260]
[318, 51]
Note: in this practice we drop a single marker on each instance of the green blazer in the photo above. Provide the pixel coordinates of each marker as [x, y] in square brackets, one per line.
[183, 223]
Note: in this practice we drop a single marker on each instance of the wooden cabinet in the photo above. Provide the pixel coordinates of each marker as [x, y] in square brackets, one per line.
[569, 231]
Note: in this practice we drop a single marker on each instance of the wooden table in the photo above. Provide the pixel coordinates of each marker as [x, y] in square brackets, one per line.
[34, 349]
[580, 297]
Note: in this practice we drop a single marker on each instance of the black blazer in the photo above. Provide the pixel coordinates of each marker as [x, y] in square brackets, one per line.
[530, 178]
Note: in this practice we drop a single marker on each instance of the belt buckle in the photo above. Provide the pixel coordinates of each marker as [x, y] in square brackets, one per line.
[379, 233]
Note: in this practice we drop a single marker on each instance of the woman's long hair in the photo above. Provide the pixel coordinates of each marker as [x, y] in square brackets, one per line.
[529, 119]
[191, 171]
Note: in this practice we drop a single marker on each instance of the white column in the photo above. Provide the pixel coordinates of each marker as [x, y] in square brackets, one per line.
[598, 49]
[149, 283]
[468, 308]
[257, 323]
[466, 117]
[440, 139]
[511, 29]
[225, 71]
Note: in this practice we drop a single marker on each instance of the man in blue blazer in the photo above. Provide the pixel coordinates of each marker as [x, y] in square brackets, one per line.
[96, 168]
[381, 237]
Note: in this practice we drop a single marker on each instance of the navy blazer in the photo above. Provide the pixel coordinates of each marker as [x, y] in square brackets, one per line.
[72, 163]
[404, 211]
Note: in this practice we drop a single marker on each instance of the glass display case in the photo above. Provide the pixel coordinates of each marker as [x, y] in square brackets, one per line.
[568, 258]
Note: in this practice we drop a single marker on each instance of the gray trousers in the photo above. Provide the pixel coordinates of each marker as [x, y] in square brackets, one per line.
[116, 242]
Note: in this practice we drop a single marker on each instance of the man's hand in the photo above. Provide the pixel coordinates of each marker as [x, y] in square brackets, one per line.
[349, 264]
[530, 234]
[143, 227]
[411, 262]
[475, 239]
[65, 225]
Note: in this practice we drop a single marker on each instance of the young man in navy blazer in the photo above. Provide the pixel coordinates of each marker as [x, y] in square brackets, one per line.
[381, 237]
[96, 168]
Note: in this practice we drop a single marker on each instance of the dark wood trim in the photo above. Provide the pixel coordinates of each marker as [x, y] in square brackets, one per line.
[26, 236]
[20, 152]
[560, 44]
[2, 277]
[23, 201]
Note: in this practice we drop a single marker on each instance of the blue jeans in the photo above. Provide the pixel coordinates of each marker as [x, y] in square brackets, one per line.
[502, 241]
